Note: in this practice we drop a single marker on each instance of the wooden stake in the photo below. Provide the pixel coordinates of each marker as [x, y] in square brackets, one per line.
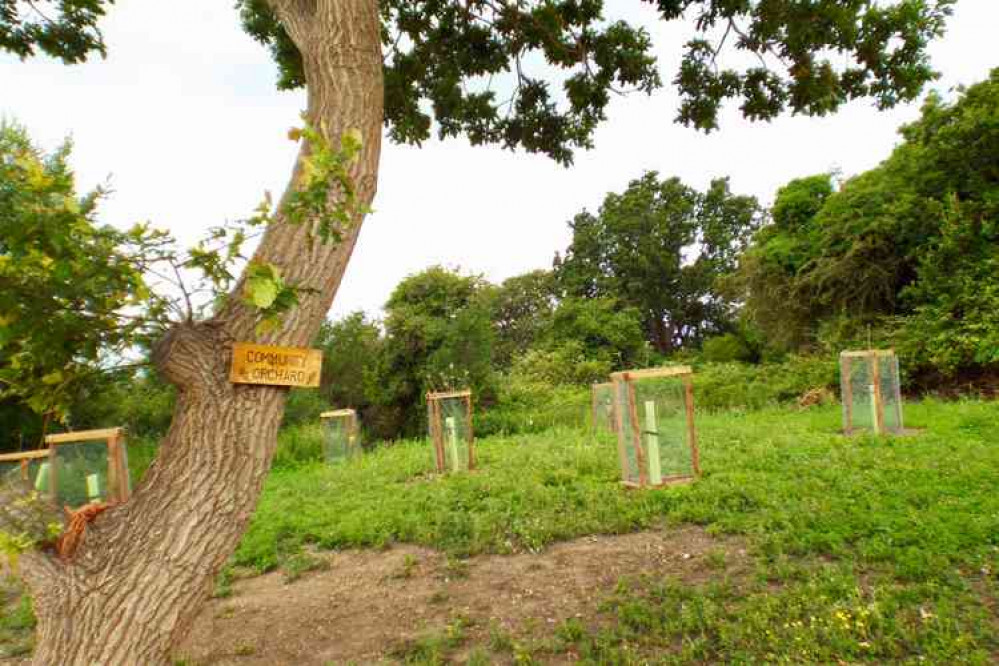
[636, 431]
[845, 378]
[879, 414]
[81, 436]
[898, 395]
[439, 423]
[652, 443]
[471, 434]
[688, 403]
[124, 492]
[622, 450]
[53, 474]
[432, 417]
[612, 416]
[114, 470]
[24, 455]
[593, 408]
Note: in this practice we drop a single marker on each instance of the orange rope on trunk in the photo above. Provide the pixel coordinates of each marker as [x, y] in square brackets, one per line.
[76, 527]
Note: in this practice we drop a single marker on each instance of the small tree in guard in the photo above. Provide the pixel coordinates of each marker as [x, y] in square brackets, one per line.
[602, 408]
[657, 438]
[341, 438]
[30, 467]
[871, 391]
[90, 466]
[450, 420]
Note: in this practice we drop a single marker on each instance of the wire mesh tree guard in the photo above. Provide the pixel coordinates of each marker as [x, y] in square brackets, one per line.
[449, 416]
[29, 467]
[89, 466]
[603, 416]
[871, 391]
[341, 435]
[656, 434]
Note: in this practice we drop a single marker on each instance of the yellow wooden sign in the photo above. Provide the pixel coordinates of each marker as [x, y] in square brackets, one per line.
[275, 366]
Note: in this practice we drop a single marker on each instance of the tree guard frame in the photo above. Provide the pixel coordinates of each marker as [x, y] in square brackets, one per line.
[435, 423]
[599, 423]
[875, 373]
[352, 446]
[24, 458]
[118, 480]
[631, 438]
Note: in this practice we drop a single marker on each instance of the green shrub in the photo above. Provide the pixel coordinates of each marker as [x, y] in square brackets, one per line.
[304, 405]
[299, 444]
[525, 406]
[567, 363]
[726, 348]
[143, 405]
[719, 386]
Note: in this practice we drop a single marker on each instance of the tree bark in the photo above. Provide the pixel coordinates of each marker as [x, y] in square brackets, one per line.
[661, 333]
[145, 568]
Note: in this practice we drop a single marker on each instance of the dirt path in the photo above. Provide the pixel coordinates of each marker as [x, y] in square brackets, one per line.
[368, 606]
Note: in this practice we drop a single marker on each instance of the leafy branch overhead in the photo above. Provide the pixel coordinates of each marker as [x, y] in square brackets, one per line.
[64, 29]
[540, 74]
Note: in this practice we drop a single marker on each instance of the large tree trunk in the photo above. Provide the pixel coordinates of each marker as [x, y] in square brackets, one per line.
[145, 568]
[661, 333]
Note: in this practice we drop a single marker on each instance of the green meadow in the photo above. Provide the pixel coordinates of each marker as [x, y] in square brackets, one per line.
[864, 549]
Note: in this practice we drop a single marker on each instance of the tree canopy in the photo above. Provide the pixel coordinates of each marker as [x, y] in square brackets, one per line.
[911, 246]
[660, 247]
[438, 337]
[564, 60]
[73, 293]
[64, 29]
[522, 308]
[560, 62]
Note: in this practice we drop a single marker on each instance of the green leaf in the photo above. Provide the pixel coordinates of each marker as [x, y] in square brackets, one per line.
[52, 378]
[262, 291]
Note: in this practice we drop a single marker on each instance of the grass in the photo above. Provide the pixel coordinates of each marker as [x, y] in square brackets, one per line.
[865, 549]
[785, 477]
[862, 549]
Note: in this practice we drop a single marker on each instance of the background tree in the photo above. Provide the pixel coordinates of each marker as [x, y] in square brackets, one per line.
[952, 305]
[351, 348]
[778, 251]
[521, 310]
[438, 336]
[413, 66]
[908, 248]
[71, 291]
[587, 339]
[660, 247]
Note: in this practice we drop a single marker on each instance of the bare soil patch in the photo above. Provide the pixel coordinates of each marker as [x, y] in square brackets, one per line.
[369, 604]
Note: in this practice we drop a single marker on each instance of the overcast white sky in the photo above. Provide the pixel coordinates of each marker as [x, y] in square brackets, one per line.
[184, 118]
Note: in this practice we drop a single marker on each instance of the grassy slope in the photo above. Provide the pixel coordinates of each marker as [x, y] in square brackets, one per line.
[865, 549]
